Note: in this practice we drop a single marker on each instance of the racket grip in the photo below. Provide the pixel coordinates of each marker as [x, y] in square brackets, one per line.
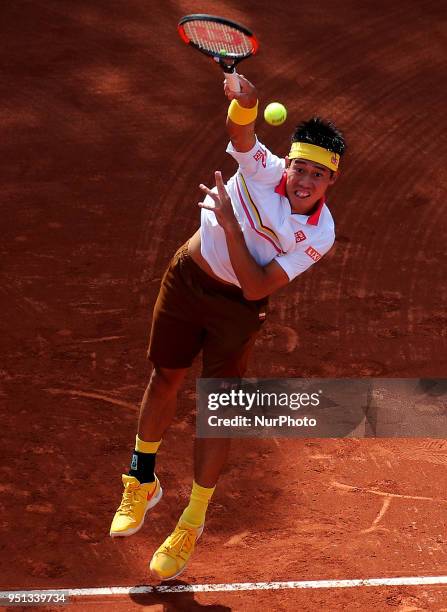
[232, 79]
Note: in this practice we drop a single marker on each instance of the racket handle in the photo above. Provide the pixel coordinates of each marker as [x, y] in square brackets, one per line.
[232, 79]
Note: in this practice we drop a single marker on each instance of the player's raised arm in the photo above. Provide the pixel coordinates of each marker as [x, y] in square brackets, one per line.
[242, 115]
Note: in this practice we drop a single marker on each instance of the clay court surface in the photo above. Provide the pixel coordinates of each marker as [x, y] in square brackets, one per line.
[108, 125]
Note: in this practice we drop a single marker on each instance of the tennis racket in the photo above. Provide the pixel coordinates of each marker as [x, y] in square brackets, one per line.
[227, 42]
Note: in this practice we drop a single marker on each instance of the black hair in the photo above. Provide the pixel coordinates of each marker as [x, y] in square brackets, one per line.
[322, 133]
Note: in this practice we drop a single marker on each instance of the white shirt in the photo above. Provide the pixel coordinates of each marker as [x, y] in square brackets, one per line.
[271, 231]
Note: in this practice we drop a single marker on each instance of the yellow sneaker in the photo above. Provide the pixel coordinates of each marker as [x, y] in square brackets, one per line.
[171, 558]
[137, 499]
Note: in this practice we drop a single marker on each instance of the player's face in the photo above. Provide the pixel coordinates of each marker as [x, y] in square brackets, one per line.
[306, 183]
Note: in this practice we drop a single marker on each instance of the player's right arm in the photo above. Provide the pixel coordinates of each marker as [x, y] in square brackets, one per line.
[242, 137]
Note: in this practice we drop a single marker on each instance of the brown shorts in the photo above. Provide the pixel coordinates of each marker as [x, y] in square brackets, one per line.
[194, 311]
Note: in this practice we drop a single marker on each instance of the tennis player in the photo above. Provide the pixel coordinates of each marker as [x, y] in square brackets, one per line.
[267, 225]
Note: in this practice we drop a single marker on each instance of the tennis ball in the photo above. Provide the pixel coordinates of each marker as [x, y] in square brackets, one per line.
[275, 113]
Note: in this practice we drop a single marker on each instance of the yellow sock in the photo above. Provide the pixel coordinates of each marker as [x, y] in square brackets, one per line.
[194, 513]
[146, 447]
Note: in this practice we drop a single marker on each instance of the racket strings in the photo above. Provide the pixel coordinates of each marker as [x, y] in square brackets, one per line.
[218, 38]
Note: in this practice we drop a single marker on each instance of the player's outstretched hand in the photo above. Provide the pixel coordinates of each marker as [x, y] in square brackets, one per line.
[248, 95]
[221, 206]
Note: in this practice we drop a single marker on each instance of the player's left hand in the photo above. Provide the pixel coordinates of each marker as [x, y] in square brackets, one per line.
[247, 96]
[221, 207]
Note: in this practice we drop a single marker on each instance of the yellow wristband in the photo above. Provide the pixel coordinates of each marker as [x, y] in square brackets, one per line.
[240, 115]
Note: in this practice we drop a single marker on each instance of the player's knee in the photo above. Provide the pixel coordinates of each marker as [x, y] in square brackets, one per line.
[166, 380]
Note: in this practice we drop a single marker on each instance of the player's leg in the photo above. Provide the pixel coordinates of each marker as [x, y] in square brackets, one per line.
[231, 335]
[159, 402]
[221, 360]
[142, 490]
[176, 339]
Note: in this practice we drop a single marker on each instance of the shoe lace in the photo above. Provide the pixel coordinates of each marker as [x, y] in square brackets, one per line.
[131, 495]
[181, 542]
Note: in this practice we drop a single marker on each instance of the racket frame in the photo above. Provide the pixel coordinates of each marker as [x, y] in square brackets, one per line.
[227, 61]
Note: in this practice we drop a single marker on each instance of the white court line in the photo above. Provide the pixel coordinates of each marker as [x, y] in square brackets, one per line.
[240, 586]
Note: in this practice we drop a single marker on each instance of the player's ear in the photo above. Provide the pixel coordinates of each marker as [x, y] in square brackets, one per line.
[287, 160]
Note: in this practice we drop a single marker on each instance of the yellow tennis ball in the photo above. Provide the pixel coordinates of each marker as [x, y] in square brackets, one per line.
[275, 113]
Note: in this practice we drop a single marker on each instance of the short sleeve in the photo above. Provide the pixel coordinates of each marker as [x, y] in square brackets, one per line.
[259, 163]
[303, 257]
